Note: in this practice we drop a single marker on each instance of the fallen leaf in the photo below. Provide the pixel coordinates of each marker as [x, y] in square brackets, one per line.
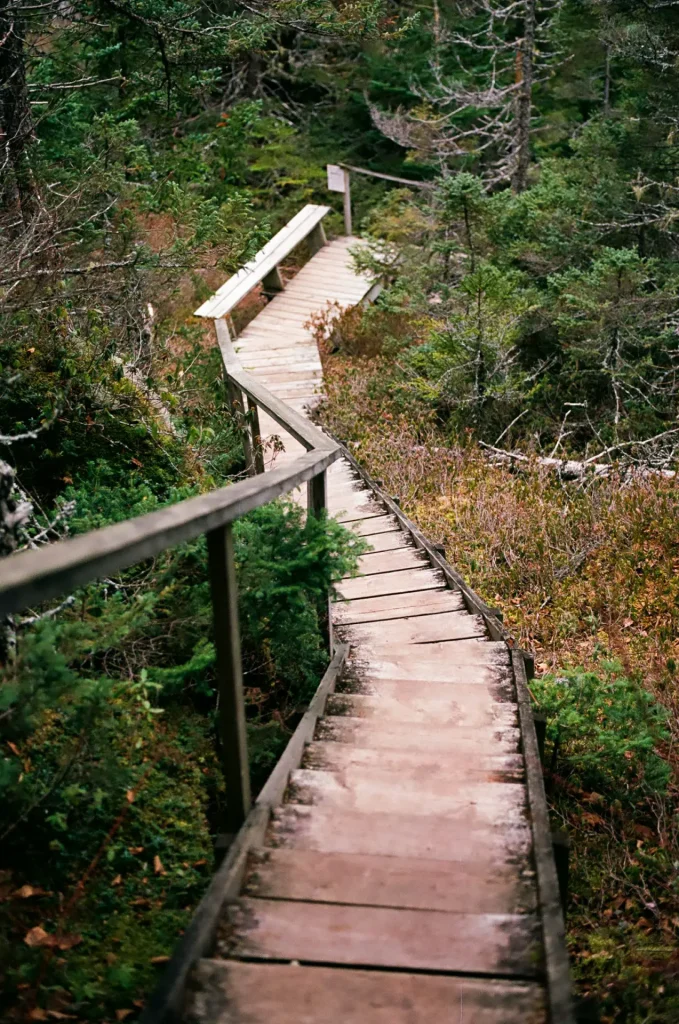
[627, 623]
[69, 941]
[37, 1014]
[136, 462]
[28, 890]
[122, 1014]
[159, 959]
[200, 863]
[130, 796]
[117, 880]
[135, 849]
[158, 865]
[38, 937]
[57, 1015]
[13, 747]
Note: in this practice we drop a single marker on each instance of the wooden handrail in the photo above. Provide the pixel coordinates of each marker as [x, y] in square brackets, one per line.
[32, 577]
[264, 266]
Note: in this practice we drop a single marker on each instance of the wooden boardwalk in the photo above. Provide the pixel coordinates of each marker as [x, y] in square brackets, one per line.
[397, 883]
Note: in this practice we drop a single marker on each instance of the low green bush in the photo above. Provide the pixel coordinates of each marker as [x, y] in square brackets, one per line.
[606, 729]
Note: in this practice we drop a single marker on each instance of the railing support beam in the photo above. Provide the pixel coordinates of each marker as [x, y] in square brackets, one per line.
[317, 503]
[347, 204]
[232, 727]
[257, 450]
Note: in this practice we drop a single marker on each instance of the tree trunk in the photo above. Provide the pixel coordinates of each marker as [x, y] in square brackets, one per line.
[524, 99]
[17, 184]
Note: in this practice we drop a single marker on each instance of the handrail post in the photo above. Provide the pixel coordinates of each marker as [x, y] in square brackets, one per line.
[317, 504]
[258, 451]
[238, 408]
[232, 726]
[347, 203]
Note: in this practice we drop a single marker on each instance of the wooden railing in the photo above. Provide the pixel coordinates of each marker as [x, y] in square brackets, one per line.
[33, 577]
[263, 268]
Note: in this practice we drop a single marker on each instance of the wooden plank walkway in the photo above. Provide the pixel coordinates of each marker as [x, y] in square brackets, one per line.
[397, 882]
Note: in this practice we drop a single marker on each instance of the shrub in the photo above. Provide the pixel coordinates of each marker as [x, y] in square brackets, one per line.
[606, 728]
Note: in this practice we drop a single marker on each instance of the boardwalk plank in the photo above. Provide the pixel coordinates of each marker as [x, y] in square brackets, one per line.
[364, 792]
[454, 765]
[260, 993]
[388, 882]
[501, 944]
[420, 629]
[397, 606]
[401, 835]
[405, 581]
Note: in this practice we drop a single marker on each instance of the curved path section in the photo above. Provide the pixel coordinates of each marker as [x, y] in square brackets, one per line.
[399, 881]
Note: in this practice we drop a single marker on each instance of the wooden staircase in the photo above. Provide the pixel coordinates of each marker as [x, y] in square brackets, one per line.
[396, 883]
[399, 880]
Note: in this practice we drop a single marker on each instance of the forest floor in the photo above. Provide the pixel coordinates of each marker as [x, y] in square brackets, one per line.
[587, 578]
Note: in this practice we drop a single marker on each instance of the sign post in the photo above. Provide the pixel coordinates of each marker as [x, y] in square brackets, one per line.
[339, 181]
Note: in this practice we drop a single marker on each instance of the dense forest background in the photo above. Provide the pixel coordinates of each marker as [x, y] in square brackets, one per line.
[147, 149]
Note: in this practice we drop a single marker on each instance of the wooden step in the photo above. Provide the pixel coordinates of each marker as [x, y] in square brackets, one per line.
[411, 736]
[390, 561]
[462, 703]
[420, 629]
[423, 703]
[335, 830]
[496, 944]
[387, 542]
[389, 882]
[397, 606]
[260, 993]
[454, 765]
[379, 523]
[406, 581]
[348, 511]
[366, 791]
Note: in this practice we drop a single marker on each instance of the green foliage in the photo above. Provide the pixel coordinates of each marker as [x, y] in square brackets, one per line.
[608, 728]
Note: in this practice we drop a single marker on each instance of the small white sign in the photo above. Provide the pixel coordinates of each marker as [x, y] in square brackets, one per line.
[336, 181]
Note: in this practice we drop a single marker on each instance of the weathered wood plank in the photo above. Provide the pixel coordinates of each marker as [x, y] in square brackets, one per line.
[439, 703]
[499, 944]
[361, 509]
[389, 882]
[401, 835]
[364, 792]
[405, 581]
[373, 525]
[420, 629]
[396, 606]
[389, 561]
[454, 765]
[411, 736]
[260, 993]
[32, 577]
[240, 284]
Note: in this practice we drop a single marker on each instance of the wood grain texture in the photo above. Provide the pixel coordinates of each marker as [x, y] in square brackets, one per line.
[333, 830]
[389, 882]
[495, 944]
[259, 993]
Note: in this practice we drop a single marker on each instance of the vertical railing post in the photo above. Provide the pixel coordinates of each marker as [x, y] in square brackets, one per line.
[257, 450]
[317, 503]
[347, 203]
[232, 726]
[238, 409]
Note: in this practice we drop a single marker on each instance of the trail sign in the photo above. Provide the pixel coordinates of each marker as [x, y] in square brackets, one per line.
[336, 178]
